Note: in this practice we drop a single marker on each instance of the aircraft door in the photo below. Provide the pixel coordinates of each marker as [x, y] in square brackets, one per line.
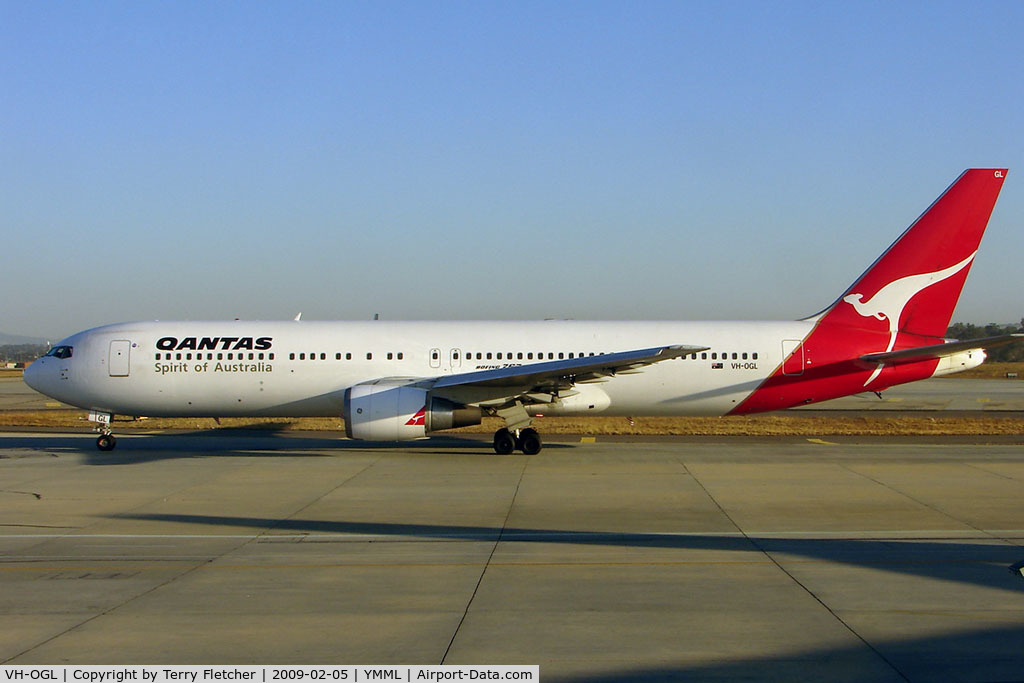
[435, 358]
[118, 361]
[793, 355]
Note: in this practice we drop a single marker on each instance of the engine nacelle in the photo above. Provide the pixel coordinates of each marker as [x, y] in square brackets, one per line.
[394, 411]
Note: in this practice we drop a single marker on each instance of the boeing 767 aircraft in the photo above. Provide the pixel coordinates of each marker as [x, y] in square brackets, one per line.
[394, 381]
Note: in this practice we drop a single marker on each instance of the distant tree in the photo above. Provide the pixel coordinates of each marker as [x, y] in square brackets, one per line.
[21, 353]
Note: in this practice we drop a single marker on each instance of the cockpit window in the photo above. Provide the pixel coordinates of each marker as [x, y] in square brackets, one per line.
[61, 351]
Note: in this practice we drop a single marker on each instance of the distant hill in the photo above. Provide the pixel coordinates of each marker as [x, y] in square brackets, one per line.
[12, 339]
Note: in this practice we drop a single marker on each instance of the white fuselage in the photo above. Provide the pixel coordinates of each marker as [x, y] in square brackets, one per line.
[302, 368]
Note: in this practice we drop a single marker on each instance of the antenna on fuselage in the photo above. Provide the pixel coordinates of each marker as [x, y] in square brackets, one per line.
[298, 317]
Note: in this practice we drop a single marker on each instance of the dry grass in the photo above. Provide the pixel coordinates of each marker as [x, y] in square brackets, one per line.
[762, 425]
[991, 371]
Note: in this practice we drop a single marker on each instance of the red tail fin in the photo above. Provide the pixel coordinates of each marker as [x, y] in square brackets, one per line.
[915, 284]
[904, 300]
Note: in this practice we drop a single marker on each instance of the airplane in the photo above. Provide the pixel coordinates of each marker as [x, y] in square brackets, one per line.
[397, 381]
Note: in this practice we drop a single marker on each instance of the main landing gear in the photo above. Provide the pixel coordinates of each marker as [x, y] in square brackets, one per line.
[525, 440]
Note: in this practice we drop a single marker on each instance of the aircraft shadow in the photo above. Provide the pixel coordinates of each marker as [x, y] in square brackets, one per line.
[983, 564]
[991, 654]
[234, 442]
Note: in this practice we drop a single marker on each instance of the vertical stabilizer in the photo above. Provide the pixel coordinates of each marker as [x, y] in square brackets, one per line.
[903, 301]
[914, 286]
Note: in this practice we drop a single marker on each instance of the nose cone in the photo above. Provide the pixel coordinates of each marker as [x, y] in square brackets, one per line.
[33, 375]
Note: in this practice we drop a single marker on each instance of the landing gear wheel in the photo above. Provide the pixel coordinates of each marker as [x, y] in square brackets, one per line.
[106, 442]
[529, 441]
[504, 442]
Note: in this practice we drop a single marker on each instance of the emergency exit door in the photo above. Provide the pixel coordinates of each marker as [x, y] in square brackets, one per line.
[793, 354]
[119, 357]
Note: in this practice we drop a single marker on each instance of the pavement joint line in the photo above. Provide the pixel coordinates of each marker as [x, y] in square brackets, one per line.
[906, 495]
[753, 541]
[494, 548]
[978, 466]
[188, 569]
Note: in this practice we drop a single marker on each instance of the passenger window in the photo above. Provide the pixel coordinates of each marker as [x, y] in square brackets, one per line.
[704, 356]
[744, 355]
[551, 355]
[270, 357]
[302, 356]
[755, 355]
[488, 355]
[499, 355]
[369, 356]
[391, 356]
[529, 356]
[348, 356]
[337, 356]
[400, 355]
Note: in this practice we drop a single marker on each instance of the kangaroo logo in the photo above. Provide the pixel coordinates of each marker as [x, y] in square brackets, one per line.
[888, 302]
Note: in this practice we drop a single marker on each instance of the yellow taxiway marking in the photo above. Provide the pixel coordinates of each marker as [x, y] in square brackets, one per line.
[823, 442]
[588, 439]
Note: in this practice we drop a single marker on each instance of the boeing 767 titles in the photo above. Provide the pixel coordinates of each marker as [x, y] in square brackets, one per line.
[394, 381]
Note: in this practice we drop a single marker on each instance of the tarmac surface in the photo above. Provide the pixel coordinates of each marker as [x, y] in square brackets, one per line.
[623, 559]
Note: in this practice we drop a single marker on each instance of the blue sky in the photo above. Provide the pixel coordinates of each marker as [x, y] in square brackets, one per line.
[684, 160]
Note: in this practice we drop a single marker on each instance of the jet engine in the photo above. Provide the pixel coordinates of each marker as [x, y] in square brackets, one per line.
[390, 410]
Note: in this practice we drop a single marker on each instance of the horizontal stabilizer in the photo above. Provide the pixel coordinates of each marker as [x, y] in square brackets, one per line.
[942, 350]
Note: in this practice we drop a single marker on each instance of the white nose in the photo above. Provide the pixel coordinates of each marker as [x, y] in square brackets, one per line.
[35, 375]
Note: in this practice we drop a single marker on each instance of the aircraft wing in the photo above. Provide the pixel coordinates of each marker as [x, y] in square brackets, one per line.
[548, 376]
[942, 350]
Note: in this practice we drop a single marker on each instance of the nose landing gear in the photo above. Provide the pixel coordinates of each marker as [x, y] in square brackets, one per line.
[105, 441]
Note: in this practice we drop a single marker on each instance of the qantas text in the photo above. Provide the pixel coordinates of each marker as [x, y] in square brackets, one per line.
[214, 343]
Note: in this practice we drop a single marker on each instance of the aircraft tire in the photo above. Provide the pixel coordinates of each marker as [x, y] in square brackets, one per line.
[529, 442]
[106, 442]
[504, 442]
